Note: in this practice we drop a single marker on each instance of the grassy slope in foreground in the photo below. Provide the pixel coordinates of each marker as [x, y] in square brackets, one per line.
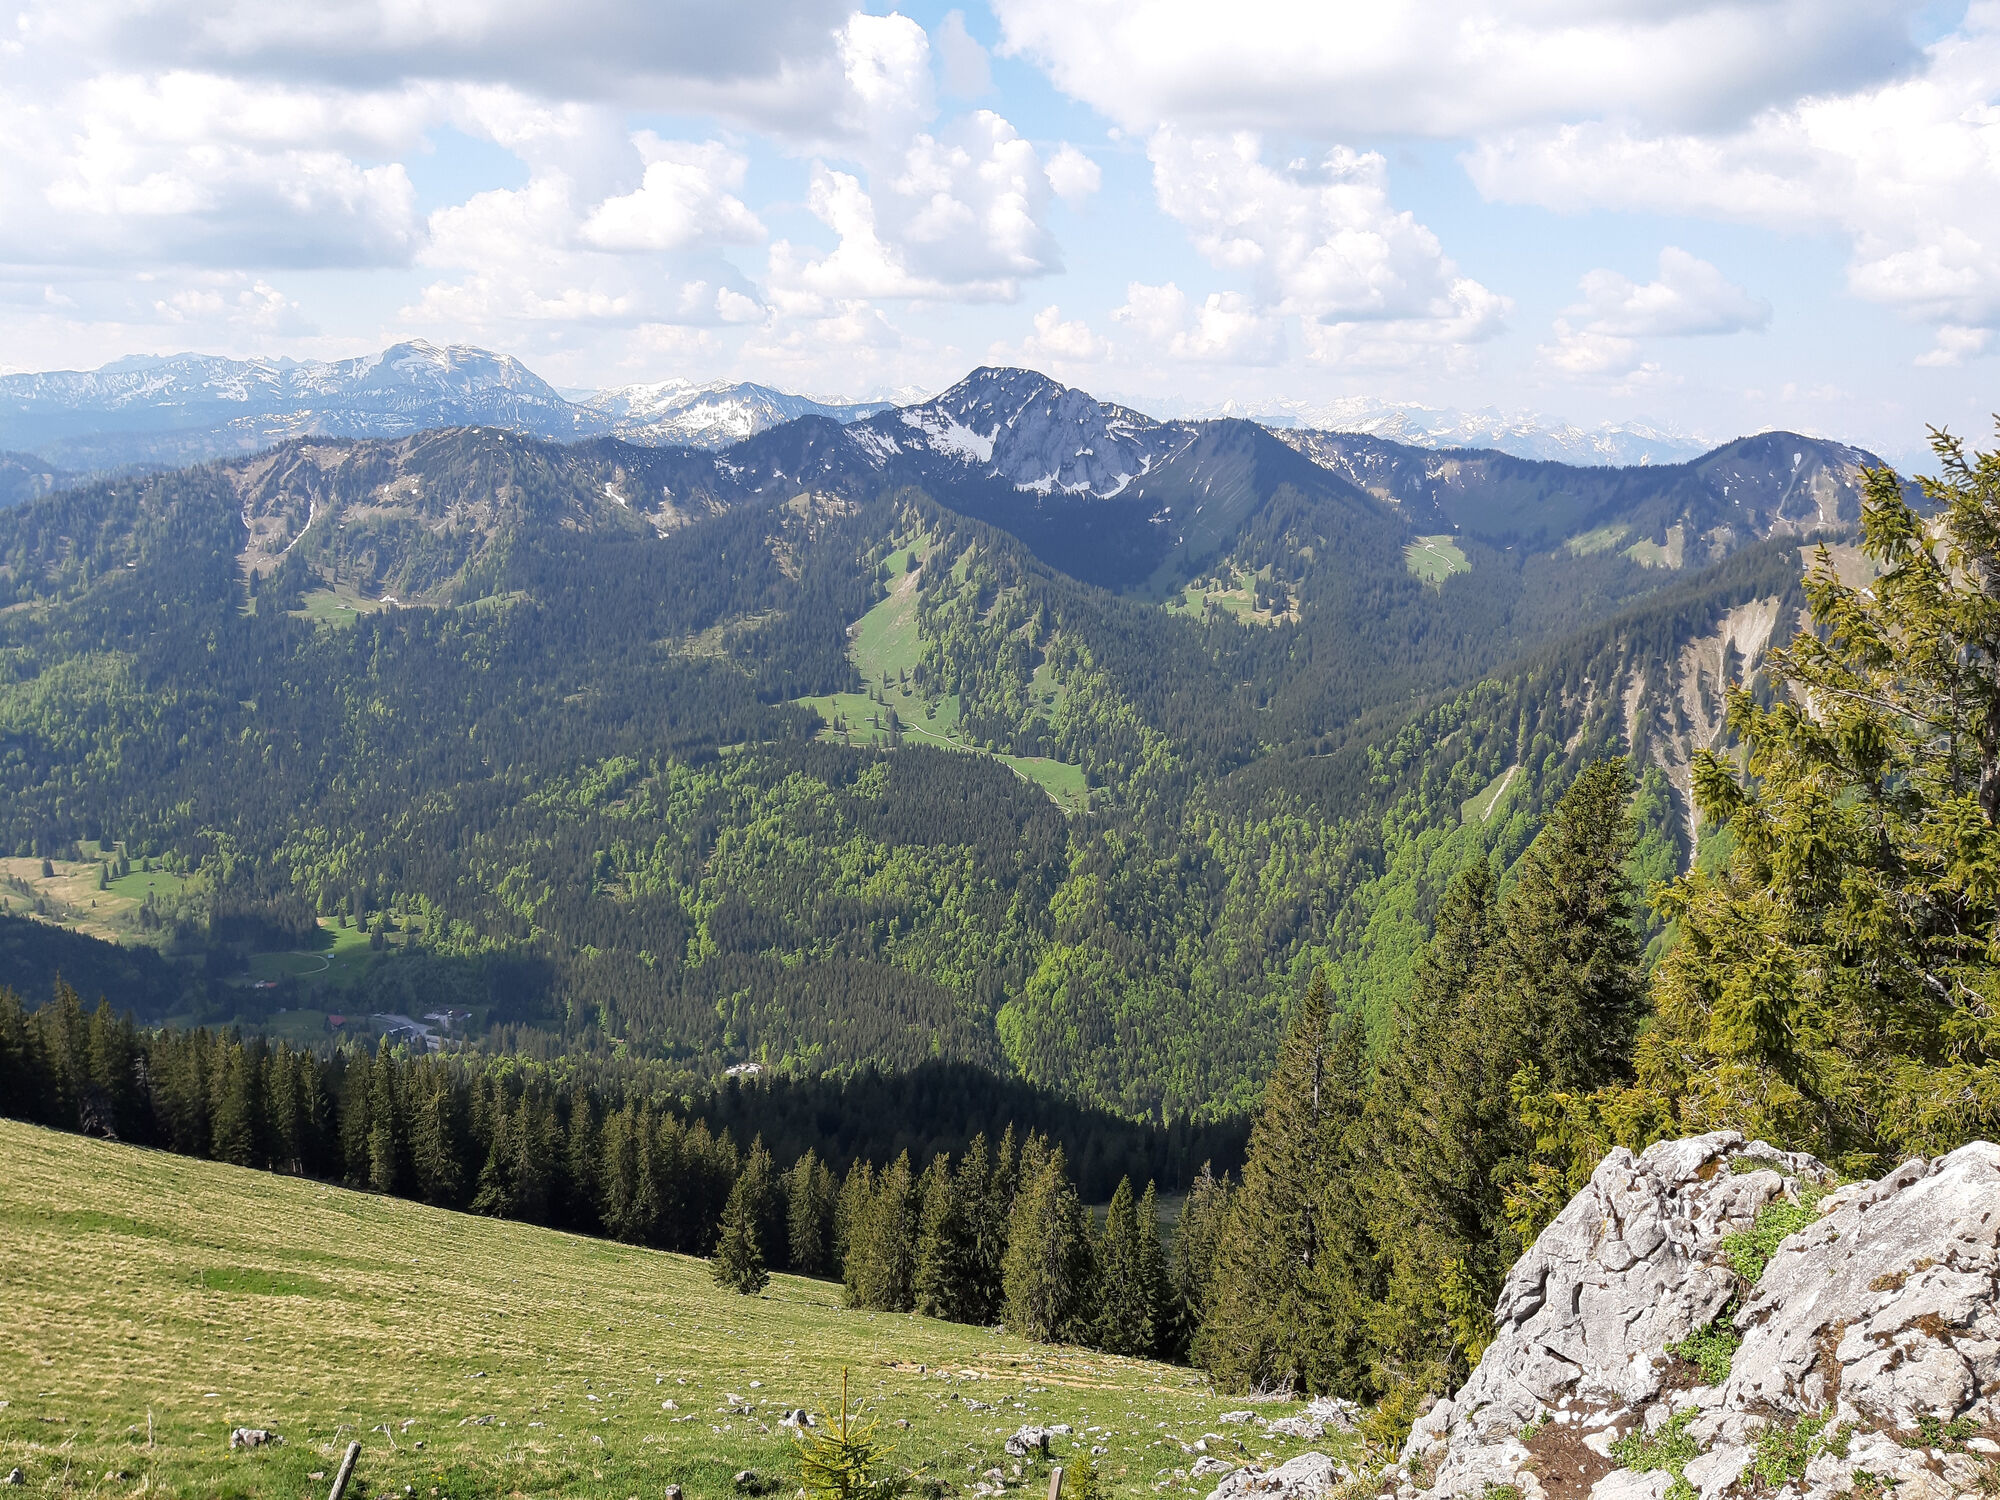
[147, 1288]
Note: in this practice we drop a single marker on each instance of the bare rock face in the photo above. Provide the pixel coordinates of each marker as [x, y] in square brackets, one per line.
[1869, 1354]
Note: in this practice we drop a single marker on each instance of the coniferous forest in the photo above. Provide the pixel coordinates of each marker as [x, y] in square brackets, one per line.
[1444, 885]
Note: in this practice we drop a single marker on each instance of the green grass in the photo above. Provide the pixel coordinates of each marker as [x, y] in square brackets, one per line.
[342, 955]
[155, 1302]
[1435, 558]
[1603, 539]
[1062, 781]
[1748, 1251]
[335, 607]
[1479, 807]
[140, 883]
[886, 640]
[1657, 555]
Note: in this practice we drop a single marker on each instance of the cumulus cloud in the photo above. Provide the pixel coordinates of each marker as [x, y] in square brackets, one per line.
[958, 216]
[1057, 339]
[1449, 68]
[1073, 175]
[1690, 297]
[1907, 170]
[684, 200]
[782, 71]
[966, 70]
[1322, 243]
[1227, 328]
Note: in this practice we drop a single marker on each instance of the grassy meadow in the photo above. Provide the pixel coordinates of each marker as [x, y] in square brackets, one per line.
[885, 645]
[155, 1302]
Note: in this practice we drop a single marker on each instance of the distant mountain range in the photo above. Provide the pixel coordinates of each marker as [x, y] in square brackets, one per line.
[186, 408]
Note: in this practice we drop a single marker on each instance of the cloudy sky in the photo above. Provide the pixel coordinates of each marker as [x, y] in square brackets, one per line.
[1722, 214]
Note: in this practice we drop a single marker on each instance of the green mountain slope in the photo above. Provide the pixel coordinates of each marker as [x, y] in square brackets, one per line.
[560, 737]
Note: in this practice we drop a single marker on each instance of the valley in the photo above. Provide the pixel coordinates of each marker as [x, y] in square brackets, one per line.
[1013, 727]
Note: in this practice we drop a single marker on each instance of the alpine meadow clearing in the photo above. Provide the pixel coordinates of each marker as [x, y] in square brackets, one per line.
[156, 1303]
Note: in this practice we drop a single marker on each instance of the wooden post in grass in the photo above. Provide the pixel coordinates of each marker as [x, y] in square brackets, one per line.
[1055, 1483]
[346, 1471]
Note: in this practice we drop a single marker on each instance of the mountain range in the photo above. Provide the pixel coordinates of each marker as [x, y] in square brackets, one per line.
[185, 408]
[1011, 726]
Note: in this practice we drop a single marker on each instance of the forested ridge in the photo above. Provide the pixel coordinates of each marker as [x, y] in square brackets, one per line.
[569, 787]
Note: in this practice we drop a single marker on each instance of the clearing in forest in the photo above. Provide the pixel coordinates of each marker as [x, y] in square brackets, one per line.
[156, 1303]
[885, 646]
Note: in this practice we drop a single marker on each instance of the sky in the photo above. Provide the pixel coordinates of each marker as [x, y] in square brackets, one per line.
[1716, 215]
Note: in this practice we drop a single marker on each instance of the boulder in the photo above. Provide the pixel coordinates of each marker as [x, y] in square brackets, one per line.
[1871, 1339]
[1028, 1440]
[1306, 1477]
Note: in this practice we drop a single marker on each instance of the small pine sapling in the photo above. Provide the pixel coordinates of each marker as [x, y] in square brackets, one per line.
[838, 1459]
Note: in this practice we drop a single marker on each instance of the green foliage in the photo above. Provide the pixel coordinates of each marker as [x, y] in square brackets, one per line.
[839, 1459]
[1935, 1432]
[1833, 987]
[1711, 1349]
[1748, 1251]
[1785, 1449]
[1295, 1273]
[1668, 1447]
[1129, 1274]
[1048, 1274]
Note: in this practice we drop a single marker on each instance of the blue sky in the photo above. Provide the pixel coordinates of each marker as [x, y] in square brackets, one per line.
[1721, 215]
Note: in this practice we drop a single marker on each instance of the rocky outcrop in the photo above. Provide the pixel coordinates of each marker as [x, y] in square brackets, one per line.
[1645, 1346]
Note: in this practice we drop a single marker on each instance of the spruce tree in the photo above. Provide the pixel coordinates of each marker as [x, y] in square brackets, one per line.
[850, 1215]
[1191, 1266]
[946, 1278]
[434, 1141]
[1573, 990]
[232, 1129]
[1290, 1287]
[1154, 1291]
[1446, 1145]
[810, 1196]
[1126, 1289]
[388, 1130]
[739, 1262]
[882, 1255]
[1048, 1275]
[497, 1193]
[985, 1194]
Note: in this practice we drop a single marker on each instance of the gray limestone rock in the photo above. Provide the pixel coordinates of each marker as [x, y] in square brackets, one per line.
[1306, 1477]
[1880, 1315]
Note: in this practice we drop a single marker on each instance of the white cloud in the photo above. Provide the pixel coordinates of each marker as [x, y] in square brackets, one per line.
[1227, 328]
[1956, 345]
[958, 216]
[887, 64]
[1449, 68]
[1908, 171]
[684, 200]
[1323, 244]
[1057, 339]
[202, 171]
[966, 71]
[1690, 297]
[1073, 175]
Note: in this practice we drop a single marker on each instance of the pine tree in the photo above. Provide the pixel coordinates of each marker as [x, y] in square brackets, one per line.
[434, 1141]
[739, 1262]
[810, 1198]
[1048, 1275]
[1572, 989]
[232, 1129]
[1286, 1308]
[497, 1192]
[947, 1267]
[1126, 1290]
[1446, 1145]
[388, 1132]
[882, 1255]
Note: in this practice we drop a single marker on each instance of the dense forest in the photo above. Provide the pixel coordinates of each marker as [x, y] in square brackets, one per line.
[572, 787]
[1831, 988]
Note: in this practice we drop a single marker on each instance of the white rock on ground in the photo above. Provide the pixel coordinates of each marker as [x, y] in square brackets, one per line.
[1881, 1315]
[1303, 1478]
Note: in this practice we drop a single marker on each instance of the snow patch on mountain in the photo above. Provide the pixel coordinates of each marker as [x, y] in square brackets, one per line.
[712, 415]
